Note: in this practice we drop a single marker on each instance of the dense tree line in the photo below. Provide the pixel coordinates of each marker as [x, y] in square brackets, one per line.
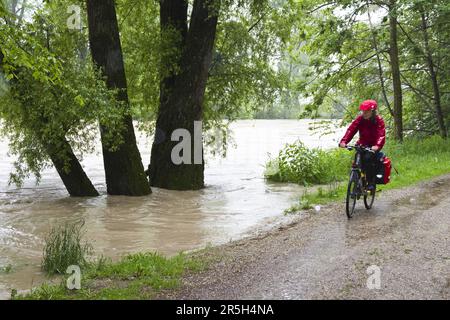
[394, 51]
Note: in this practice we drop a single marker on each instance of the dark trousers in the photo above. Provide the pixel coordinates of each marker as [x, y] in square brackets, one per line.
[371, 164]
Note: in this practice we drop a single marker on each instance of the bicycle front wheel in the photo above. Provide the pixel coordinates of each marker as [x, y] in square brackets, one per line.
[352, 188]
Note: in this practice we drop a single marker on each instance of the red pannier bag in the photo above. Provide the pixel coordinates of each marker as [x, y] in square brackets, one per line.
[387, 170]
[384, 176]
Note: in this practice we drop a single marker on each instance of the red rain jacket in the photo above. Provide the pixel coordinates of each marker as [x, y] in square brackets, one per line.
[370, 134]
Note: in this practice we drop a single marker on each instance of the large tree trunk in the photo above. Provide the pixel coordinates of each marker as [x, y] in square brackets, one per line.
[434, 81]
[69, 169]
[395, 67]
[67, 165]
[173, 24]
[123, 167]
[380, 67]
[184, 104]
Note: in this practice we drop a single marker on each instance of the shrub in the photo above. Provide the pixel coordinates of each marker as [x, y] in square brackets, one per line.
[300, 164]
[64, 247]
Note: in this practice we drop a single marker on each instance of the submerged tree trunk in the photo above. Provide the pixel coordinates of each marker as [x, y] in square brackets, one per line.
[434, 80]
[395, 67]
[67, 165]
[184, 103]
[123, 167]
[69, 169]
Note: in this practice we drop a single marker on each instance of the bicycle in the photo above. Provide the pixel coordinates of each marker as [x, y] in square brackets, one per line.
[357, 185]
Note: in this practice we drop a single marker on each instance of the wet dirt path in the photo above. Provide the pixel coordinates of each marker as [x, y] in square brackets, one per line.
[322, 255]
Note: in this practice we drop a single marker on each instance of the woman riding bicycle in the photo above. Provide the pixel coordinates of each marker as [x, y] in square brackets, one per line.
[372, 134]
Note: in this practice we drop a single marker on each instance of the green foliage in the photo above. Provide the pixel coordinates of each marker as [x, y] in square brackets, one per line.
[243, 77]
[347, 58]
[136, 276]
[64, 246]
[142, 50]
[6, 269]
[300, 164]
[53, 92]
[157, 269]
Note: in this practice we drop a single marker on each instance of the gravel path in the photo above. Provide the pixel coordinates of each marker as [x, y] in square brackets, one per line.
[322, 255]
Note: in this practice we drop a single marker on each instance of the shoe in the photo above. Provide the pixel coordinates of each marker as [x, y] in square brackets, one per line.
[371, 187]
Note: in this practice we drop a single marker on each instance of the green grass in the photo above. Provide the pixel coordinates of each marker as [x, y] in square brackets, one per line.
[136, 276]
[64, 247]
[416, 160]
[6, 269]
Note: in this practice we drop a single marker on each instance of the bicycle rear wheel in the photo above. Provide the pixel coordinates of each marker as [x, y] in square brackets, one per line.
[352, 188]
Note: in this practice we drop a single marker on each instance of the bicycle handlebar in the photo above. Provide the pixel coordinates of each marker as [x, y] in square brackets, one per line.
[360, 148]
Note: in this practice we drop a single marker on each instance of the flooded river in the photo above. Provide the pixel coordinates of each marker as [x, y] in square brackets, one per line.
[236, 201]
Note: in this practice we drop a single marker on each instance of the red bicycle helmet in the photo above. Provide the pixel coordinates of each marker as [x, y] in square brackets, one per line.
[368, 105]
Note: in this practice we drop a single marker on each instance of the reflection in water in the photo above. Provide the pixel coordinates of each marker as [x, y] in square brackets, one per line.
[236, 201]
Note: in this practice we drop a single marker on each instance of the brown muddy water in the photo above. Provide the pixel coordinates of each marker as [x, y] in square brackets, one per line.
[237, 201]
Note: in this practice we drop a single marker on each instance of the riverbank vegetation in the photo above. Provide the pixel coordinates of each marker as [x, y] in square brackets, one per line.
[415, 159]
[299, 164]
[64, 246]
[135, 276]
